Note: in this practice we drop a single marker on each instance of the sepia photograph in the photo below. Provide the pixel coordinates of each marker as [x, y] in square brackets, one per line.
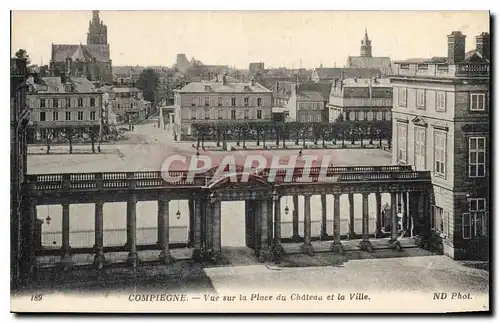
[250, 161]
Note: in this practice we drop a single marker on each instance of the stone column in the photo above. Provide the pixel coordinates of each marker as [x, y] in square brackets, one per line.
[66, 260]
[197, 230]
[378, 222]
[191, 223]
[295, 217]
[160, 224]
[270, 227]
[28, 243]
[163, 210]
[404, 205]
[365, 242]
[277, 247]
[264, 243]
[413, 204]
[324, 233]
[336, 244]
[352, 233]
[99, 235]
[132, 258]
[307, 247]
[216, 249]
[394, 217]
[207, 230]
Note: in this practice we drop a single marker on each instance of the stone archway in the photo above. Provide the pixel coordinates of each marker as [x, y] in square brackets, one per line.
[256, 192]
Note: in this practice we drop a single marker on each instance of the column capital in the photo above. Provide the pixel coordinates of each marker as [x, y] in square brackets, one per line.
[365, 194]
[164, 198]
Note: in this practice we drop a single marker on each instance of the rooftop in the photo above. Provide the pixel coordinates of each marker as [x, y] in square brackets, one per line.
[219, 87]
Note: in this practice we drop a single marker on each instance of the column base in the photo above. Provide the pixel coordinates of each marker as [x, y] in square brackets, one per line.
[351, 235]
[99, 260]
[278, 251]
[366, 245]
[197, 256]
[378, 233]
[337, 247]
[264, 255]
[296, 238]
[132, 259]
[66, 261]
[165, 258]
[307, 248]
[395, 244]
[216, 257]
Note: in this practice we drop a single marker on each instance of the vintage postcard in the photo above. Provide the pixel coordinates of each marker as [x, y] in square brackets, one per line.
[250, 161]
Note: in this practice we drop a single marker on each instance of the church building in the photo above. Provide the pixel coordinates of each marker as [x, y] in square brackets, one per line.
[91, 60]
[366, 60]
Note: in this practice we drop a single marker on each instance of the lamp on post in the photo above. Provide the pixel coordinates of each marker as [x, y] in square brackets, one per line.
[178, 213]
[287, 209]
[275, 195]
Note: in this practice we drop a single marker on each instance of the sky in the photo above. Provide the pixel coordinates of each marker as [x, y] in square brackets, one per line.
[292, 39]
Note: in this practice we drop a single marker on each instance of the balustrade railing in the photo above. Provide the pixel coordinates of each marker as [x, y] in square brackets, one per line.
[155, 179]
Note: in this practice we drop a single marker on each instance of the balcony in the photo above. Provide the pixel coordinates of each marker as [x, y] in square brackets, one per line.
[444, 70]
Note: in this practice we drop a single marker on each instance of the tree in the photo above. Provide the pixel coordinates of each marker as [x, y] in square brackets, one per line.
[149, 84]
[22, 53]
[69, 133]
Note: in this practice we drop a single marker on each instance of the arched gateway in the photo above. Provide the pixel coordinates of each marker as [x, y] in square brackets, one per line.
[257, 193]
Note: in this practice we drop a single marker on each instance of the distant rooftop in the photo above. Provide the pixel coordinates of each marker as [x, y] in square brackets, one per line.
[219, 87]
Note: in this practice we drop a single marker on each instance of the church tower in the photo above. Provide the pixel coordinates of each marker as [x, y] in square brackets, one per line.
[98, 32]
[366, 46]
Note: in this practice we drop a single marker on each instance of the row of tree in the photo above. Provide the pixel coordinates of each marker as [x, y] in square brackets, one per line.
[280, 132]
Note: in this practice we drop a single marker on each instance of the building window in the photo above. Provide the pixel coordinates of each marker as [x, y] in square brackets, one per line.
[440, 154]
[466, 226]
[441, 101]
[259, 102]
[92, 102]
[193, 102]
[402, 140]
[219, 103]
[233, 114]
[370, 116]
[246, 114]
[42, 103]
[80, 115]
[233, 102]
[80, 102]
[55, 116]
[405, 66]
[193, 114]
[402, 96]
[259, 114]
[246, 101]
[92, 115]
[421, 99]
[68, 116]
[207, 114]
[207, 102]
[422, 67]
[477, 102]
[439, 220]
[55, 103]
[478, 217]
[347, 116]
[360, 115]
[477, 156]
[68, 102]
[220, 113]
[384, 115]
[42, 116]
[419, 148]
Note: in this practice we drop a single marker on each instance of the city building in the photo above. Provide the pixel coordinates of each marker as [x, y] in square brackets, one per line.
[91, 61]
[366, 60]
[127, 103]
[63, 102]
[360, 100]
[329, 74]
[308, 102]
[20, 265]
[441, 118]
[220, 99]
[253, 68]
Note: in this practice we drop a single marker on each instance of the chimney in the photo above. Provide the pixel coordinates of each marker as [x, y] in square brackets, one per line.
[68, 66]
[224, 80]
[456, 47]
[483, 45]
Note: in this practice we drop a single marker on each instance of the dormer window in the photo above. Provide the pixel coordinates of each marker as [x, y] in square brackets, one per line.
[247, 88]
[405, 66]
[207, 87]
[422, 67]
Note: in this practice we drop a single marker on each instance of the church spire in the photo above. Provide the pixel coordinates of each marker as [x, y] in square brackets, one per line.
[366, 46]
[98, 33]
